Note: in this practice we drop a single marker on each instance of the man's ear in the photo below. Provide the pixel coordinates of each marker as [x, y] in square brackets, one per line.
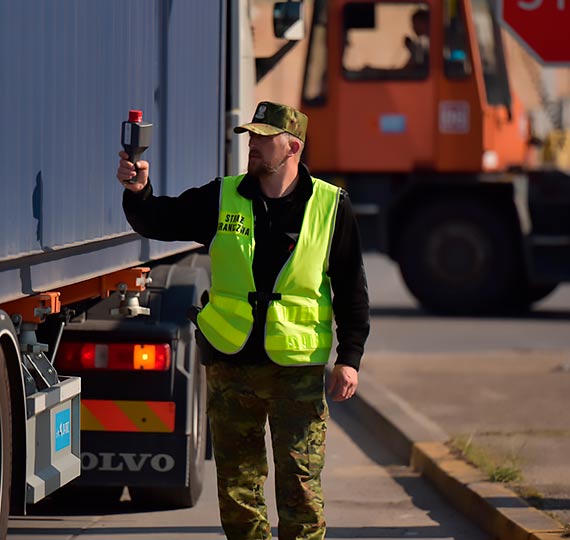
[294, 146]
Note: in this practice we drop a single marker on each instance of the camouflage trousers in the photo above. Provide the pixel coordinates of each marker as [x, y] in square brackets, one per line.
[240, 401]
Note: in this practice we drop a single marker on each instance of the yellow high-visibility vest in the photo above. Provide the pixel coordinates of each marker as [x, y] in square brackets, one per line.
[298, 329]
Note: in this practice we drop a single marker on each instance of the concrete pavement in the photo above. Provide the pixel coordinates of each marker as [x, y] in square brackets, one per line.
[512, 405]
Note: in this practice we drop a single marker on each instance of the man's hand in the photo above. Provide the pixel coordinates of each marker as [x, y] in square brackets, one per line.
[343, 382]
[127, 171]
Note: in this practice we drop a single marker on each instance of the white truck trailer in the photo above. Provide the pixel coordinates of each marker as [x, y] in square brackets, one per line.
[71, 70]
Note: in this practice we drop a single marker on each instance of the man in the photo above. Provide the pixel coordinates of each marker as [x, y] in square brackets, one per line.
[279, 242]
[418, 47]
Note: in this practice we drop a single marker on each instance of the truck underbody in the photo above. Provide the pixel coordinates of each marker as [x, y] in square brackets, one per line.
[468, 244]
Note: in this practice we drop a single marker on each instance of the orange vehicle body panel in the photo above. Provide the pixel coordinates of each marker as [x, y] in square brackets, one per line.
[344, 132]
[508, 138]
[35, 308]
[133, 278]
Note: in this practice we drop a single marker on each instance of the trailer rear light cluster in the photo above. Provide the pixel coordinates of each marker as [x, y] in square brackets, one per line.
[77, 356]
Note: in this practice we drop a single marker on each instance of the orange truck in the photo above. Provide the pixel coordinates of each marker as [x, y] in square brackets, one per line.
[411, 110]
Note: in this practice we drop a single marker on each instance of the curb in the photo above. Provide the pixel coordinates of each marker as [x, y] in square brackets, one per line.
[497, 510]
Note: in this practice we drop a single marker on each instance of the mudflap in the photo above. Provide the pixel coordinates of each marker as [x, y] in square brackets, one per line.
[134, 459]
[53, 430]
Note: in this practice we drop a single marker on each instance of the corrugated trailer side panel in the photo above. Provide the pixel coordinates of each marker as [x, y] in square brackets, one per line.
[71, 70]
[192, 95]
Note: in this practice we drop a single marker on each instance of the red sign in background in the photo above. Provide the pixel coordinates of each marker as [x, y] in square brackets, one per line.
[542, 26]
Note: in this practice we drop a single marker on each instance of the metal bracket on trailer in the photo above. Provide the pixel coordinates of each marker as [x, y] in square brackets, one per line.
[129, 283]
[132, 279]
[33, 309]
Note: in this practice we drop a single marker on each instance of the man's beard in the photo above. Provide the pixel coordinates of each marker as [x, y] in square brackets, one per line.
[261, 167]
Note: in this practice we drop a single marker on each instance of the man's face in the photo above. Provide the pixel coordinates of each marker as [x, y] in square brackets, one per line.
[267, 153]
[421, 26]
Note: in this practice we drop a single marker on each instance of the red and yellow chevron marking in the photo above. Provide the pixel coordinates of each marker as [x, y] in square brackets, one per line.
[113, 415]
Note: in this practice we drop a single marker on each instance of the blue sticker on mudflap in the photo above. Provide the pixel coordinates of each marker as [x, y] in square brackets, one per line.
[62, 429]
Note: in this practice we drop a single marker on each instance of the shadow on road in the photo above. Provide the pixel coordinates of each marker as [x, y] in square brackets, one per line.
[393, 533]
[549, 503]
[112, 532]
[88, 501]
[422, 495]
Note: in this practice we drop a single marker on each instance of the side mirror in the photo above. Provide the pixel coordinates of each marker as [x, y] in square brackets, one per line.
[288, 20]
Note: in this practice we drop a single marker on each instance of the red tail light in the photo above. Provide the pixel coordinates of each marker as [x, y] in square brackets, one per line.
[77, 356]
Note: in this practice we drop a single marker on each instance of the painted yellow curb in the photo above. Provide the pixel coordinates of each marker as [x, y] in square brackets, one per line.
[493, 507]
[546, 536]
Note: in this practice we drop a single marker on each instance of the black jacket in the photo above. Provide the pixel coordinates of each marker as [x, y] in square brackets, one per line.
[193, 216]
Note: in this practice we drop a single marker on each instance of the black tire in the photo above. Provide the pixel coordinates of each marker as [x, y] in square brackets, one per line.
[460, 257]
[188, 496]
[5, 445]
[176, 305]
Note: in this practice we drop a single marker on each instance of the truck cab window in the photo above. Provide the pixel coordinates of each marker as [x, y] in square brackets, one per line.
[386, 41]
[456, 62]
[315, 81]
[491, 52]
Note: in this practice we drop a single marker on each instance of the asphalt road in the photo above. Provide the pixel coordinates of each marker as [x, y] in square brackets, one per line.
[500, 383]
[369, 493]
[399, 325]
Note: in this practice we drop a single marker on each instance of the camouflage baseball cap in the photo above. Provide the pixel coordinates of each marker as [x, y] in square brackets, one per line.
[274, 118]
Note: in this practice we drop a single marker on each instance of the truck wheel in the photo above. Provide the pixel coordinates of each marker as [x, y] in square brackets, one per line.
[188, 496]
[199, 436]
[460, 257]
[5, 446]
[195, 281]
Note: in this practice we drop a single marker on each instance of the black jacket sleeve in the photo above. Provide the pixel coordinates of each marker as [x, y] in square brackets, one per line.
[192, 216]
[348, 283]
